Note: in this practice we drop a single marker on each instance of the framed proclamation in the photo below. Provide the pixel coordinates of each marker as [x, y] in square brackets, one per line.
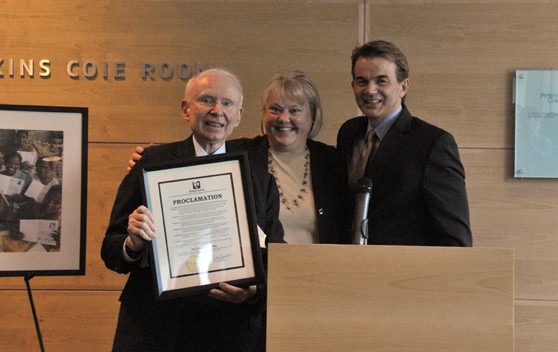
[207, 232]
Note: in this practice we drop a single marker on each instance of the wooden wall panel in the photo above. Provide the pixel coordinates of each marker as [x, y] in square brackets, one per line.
[266, 37]
[69, 320]
[514, 213]
[519, 214]
[535, 326]
[463, 55]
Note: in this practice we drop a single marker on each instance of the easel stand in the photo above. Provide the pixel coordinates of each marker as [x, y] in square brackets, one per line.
[27, 278]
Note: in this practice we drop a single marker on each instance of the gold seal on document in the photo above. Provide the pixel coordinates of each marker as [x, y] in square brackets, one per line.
[192, 263]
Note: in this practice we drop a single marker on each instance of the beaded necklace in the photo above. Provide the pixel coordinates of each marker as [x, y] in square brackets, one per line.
[302, 190]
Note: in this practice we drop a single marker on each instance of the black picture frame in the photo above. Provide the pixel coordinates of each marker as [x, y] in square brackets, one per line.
[59, 137]
[188, 257]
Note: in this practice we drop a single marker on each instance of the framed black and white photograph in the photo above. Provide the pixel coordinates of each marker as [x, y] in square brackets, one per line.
[43, 187]
[206, 224]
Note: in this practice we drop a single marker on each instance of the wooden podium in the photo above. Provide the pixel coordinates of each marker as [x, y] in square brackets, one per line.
[389, 298]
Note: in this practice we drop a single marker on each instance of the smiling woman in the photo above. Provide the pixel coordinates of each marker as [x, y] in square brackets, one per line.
[292, 112]
[310, 177]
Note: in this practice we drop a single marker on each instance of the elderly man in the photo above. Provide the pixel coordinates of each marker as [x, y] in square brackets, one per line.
[228, 318]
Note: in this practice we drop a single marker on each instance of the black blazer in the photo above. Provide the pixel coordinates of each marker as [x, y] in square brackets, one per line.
[148, 325]
[418, 195]
[329, 185]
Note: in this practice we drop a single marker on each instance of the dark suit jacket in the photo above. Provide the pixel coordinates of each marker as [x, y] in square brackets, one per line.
[329, 184]
[199, 322]
[418, 195]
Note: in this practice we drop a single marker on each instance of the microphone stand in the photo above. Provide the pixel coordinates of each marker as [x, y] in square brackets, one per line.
[363, 192]
[28, 277]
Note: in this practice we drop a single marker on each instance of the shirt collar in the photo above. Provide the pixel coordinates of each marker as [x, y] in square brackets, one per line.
[384, 127]
[201, 152]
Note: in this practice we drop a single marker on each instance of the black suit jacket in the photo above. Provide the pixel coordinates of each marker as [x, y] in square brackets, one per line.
[419, 195]
[329, 185]
[201, 323]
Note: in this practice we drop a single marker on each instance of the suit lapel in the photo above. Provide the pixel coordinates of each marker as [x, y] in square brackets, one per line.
[185, 149]
[389, 146]
[233, 146]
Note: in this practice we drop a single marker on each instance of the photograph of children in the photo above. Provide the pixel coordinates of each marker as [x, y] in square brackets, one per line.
[30, 190]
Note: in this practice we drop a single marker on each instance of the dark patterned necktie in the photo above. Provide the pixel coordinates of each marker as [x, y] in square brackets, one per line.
[360, 167]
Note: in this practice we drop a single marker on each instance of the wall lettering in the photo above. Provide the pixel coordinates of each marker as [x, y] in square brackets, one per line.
[92, 70]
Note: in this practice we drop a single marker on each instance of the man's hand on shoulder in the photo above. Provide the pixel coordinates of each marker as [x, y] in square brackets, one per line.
[136, 155]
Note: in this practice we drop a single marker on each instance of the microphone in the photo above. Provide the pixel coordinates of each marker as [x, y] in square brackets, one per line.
[363, 192]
